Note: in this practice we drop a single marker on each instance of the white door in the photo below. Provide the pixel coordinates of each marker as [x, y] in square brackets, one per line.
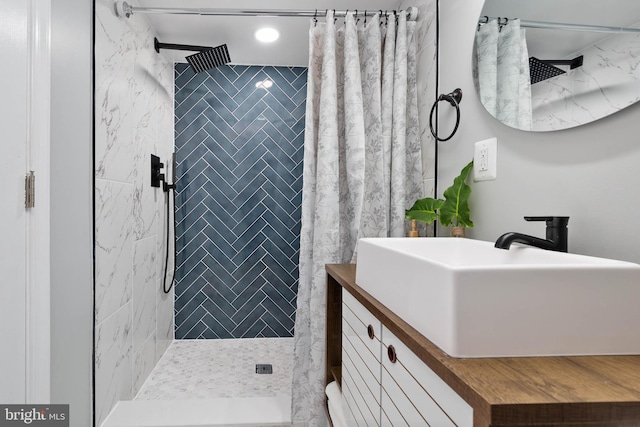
[13, 163]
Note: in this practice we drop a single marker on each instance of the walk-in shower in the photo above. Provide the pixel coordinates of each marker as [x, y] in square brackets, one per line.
[224, 221]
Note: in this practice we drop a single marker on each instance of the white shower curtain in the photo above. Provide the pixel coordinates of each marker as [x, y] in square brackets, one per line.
[503, 73]
[362, 169]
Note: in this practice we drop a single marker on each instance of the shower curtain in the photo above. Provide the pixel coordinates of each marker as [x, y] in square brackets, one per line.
[503, 73]
[362, 169]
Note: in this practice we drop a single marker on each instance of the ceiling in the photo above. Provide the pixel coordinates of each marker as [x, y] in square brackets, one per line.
[560, 44]
[292, 49]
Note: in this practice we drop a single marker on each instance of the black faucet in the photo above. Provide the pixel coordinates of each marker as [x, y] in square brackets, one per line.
[557, 235]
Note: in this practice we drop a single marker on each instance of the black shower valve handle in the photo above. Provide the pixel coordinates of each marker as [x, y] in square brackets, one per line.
[159, 174]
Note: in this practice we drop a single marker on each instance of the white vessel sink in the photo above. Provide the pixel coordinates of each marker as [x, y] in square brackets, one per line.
[473, 300]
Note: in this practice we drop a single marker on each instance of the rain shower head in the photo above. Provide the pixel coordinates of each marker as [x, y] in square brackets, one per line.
[206, 58]
[541, 70]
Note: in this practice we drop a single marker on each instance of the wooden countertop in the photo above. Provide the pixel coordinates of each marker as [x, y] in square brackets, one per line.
[542, 391]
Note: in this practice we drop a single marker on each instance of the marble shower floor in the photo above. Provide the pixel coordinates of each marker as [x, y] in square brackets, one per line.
[208, 369]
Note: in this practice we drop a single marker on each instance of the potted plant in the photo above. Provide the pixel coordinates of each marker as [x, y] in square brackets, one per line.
[455, 212]
[452, 212]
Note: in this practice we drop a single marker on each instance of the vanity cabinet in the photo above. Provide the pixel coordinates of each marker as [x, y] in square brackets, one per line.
[385, 384]
[391, 375]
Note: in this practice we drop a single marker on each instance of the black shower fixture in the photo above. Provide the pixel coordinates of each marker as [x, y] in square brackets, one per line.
[156, 168]
[206, 58]
[543, 69]
[158, 177]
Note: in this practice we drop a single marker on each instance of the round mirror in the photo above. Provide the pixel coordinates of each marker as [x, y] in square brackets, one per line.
[556, 64]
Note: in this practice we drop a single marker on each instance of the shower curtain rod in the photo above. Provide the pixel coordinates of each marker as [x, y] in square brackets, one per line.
[562, 26]
[127, 10]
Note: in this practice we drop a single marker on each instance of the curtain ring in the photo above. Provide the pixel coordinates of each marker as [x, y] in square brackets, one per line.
[454, 99]
[481, 23]
[335, 18]
[315, 18]
[503, 24]
[365, 17]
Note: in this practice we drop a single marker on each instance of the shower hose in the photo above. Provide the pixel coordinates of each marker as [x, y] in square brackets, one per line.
[169, 188]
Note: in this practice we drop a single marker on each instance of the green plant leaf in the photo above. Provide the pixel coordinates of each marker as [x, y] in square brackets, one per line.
[424, 210]
[455, 209]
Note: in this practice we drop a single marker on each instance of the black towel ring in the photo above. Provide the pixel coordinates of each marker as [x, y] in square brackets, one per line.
[454, 99]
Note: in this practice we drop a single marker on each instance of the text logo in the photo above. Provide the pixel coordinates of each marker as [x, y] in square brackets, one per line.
[34, 415]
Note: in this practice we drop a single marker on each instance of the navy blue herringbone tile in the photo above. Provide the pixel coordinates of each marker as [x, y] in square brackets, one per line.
[275, 325]
[190, 314]
[190, 276]
[255, 330]
[239, 190]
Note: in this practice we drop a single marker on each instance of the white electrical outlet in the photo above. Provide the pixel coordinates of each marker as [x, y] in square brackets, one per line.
[484, 160]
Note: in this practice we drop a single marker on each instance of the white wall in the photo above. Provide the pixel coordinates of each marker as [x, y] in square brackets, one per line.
[71, 212]
[134, 119]
[587, 173]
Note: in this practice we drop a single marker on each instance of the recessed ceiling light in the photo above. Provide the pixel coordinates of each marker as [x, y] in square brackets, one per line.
[267, 35]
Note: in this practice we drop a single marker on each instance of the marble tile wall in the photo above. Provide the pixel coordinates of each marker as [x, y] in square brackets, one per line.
[134, 119]
[586, 93]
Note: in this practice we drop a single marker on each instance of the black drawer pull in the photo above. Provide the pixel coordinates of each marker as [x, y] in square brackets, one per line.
[391, 352]
[371, 332]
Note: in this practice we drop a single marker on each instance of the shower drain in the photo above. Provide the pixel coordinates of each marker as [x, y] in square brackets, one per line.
[263, 368]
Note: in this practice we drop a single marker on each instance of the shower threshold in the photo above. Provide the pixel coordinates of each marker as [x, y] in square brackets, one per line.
[229, 412]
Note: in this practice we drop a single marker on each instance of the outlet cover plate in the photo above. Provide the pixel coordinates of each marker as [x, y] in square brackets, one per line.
[485, 160]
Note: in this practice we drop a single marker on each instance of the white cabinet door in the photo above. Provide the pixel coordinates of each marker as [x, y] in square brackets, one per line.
[13, 135]
[412, 394]
[360, 362]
